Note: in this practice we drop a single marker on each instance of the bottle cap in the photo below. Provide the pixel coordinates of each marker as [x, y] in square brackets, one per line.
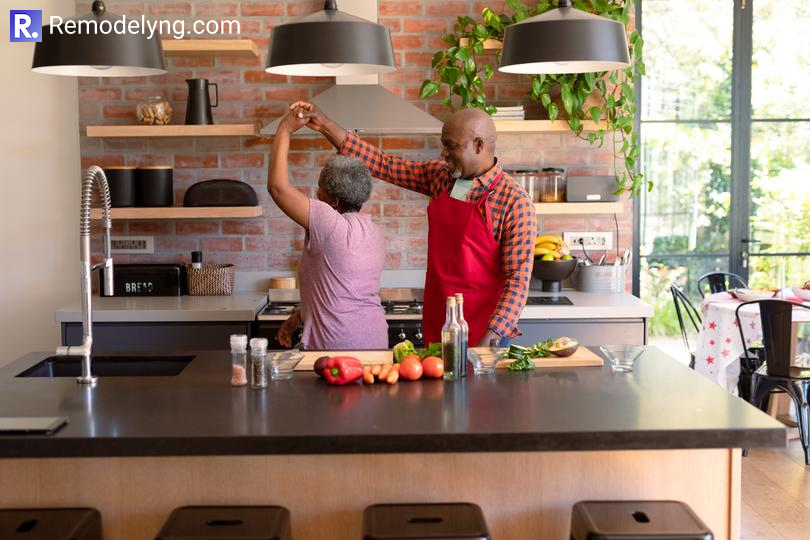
[239, 342]
[451, 300]
[196, 256]
[459, 297]
[258, 345]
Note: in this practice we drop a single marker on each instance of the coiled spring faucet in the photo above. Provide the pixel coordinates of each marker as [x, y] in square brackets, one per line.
[94, 175]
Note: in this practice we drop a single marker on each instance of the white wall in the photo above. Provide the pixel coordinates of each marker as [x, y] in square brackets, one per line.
[40, 180]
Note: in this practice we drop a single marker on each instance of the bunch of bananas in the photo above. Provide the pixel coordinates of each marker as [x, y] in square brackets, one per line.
[550, 247]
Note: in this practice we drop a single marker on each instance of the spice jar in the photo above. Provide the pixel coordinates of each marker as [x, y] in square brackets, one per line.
[154, 111]
[239, 359]
[526, 177]
[552, 184]
[258, 363]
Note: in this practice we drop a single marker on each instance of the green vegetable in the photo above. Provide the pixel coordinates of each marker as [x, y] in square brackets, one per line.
[524, 356]
[433, 349]
[403, 349]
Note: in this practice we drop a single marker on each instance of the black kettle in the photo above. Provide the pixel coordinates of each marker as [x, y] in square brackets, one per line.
[198, 106]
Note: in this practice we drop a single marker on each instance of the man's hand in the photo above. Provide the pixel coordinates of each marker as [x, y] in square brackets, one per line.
[294, 120]
[315, 119]
[490, 339]
[318, 121]
[288, 327]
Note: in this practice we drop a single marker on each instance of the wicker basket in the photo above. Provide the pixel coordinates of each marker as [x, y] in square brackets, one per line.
[211, 279]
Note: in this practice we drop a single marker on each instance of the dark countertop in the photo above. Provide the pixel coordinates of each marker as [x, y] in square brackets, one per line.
[661, 405]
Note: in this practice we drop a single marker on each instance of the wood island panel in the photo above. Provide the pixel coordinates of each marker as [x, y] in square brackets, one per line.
[523, 495]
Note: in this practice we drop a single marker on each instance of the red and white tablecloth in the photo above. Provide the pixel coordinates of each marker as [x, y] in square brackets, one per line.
[718, 351]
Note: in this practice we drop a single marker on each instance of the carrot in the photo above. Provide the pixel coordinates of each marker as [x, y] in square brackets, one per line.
[368, 378]
[384, 371]
[392, 376]
[375, 369]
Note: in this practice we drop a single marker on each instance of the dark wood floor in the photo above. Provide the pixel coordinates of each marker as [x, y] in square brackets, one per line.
[775, 494]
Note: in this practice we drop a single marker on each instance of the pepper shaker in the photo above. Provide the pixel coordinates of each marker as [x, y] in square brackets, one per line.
[258, 363]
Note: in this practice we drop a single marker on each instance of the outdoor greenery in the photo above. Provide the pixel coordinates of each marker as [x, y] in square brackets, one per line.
[600, 97]
[686, 134]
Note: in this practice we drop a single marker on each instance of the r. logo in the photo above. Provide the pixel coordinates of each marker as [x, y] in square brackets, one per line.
[26, 25]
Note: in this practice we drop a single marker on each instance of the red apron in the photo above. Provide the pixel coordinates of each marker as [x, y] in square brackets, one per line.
[463, 257]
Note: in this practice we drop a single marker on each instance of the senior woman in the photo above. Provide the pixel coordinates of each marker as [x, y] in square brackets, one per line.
[344, 252]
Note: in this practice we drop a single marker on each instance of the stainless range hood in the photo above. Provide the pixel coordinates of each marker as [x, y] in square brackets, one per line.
[360, 104]
[369, 108]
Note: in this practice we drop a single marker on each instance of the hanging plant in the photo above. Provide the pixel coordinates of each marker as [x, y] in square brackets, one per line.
[606, 98]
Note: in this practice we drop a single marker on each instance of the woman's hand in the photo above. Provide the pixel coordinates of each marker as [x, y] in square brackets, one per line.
[294, 120]
[288, 328]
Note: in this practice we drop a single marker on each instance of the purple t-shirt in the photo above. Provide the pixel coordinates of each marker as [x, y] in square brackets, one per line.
[339, 276]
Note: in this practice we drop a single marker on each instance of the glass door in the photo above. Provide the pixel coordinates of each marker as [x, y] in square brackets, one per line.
[777, 233]
[685, 127]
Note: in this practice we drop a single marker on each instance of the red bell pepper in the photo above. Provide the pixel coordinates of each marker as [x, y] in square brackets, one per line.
[342, 370]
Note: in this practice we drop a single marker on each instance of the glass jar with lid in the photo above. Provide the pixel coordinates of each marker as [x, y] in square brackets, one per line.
[154, 111]
[552, 184]
[526, 177]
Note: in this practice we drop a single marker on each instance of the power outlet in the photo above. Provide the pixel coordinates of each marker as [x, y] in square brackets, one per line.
[599, 241]
[132, 244]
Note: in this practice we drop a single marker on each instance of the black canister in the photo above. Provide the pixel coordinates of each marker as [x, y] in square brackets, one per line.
[121, 180]
[155, 186]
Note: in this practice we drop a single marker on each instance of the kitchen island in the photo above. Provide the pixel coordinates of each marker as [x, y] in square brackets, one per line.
[524, 446]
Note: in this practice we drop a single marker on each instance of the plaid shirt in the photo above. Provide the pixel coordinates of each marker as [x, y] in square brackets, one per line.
[512, 212]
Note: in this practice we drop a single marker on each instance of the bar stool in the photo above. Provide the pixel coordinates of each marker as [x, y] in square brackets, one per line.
[625, 520]
[227, 523]
[456, 521]
[50, 524]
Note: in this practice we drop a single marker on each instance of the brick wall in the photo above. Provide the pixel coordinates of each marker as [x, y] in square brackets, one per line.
[247, 94]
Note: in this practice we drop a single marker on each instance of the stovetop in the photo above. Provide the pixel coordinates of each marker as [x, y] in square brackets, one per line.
[395, 301]
[549, 301]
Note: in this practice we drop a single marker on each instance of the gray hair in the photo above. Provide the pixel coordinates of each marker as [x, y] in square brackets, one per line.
[348, 180]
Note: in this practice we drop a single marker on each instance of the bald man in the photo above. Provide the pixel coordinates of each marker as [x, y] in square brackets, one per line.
[481, 224]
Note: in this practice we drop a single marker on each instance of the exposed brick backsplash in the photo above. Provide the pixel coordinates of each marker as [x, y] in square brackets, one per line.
[249, 94]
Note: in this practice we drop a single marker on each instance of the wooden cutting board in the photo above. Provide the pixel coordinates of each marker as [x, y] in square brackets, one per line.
[365, 357]
[582, 357]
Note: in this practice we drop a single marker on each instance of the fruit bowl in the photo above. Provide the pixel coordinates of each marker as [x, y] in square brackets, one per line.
[551, 273]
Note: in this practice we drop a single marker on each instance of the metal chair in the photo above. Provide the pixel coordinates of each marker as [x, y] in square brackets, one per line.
[776, 371]
[719, 282]
[684, 309]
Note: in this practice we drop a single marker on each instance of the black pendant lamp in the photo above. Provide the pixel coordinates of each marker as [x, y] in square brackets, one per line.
[98, 48]
[564, 40]
[330, 43]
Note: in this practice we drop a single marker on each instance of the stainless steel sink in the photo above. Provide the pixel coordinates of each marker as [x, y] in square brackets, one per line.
[110, 366]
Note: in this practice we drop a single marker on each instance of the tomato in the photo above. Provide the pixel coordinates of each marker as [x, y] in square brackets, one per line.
[410, 357]
[433, 367]
[410, 368]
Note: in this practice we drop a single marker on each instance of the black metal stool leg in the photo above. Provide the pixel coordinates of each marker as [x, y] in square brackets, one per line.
[799, 394]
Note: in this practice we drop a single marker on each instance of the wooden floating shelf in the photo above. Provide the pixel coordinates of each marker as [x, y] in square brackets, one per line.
[547, 209]
[182, 212]
[216, 130]
[204, 47]
[520, 126]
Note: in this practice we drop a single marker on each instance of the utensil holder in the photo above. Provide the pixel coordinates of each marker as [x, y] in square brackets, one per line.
[600, 279]
[210, 280]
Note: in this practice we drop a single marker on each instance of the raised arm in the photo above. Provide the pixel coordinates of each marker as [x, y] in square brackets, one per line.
[427, 177]
[288, 198]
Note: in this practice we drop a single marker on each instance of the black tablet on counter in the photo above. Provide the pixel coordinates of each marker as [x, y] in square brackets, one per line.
[45, 425]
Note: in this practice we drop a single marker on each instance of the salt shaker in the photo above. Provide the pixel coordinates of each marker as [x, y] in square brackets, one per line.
[258, 363]
[239, 359]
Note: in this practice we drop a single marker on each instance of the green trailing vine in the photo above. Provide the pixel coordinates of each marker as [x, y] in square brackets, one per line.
[607, 97]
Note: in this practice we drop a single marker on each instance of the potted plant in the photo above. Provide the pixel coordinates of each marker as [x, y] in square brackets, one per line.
[608, 99]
